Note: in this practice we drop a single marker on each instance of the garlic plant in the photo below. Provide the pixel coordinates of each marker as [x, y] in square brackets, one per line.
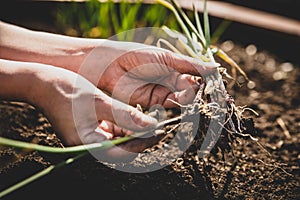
[195, 41]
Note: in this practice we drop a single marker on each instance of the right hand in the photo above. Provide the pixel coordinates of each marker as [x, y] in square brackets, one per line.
[74, 107]
[142, 74]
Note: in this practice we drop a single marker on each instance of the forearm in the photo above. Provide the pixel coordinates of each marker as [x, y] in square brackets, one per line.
[21, 44]
[17, 80]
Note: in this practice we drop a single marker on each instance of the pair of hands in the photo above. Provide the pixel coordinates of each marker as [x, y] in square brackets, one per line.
[135, 74]
[92, 98]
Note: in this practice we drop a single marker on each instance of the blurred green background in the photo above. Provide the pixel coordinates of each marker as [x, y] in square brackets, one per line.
[102, 20]
[92, 19]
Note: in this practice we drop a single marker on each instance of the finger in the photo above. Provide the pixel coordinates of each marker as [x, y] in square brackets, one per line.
[188, 65]
[183, 97]
[94, 136]
[124, 152]
[138, 145]
[135, 91]
[177, 81]
[155, 62]
[129, 150]
[122, 115]
[152, 94]
[101, 129]
[104, 131]
[114, 130]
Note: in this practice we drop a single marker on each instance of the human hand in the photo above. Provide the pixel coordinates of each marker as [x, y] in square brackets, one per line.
[141, 74]
[131, 72]
[74, 106]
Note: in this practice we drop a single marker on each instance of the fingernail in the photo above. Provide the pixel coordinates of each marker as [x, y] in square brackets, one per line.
[143, 120]
[103, 125]
[149, 121]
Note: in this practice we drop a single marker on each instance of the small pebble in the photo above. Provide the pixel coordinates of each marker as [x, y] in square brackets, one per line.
[279, 75]
[286, 67]
[227, 45]
[251, 49]
[260, 57]
[270, 65]
[254, 94]
[251, 84]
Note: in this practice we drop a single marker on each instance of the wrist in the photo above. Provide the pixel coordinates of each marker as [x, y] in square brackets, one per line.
[28, 82]
[21, 44]
[16, 80]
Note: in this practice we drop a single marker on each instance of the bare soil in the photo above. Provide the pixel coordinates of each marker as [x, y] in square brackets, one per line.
[267, 169]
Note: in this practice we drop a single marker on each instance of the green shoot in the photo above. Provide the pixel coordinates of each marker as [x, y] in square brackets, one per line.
[189, 30]
[80, 150]
[38, 175]
[198, 24]
[188, 22]
[203, 36]
[206, 25]
[73, 149]
[180, 21]
[214, 87]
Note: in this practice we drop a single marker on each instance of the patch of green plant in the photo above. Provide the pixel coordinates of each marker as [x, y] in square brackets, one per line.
[103, 19]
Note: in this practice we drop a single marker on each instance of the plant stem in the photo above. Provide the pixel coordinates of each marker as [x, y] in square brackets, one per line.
[81, 149]
[198, 24]
[39, 175]
[188, 21]
[73, 149]
[206, 25]
[180, 21]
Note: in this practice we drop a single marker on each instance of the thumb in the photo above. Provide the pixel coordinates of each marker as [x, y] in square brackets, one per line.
[123, 115]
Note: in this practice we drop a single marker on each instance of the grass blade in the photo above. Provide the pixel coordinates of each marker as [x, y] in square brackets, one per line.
[198, 23]
[168, 44]
[188, 21]
[206, 25]
[180, 21]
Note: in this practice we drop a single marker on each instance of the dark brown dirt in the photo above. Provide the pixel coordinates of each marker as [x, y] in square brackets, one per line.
[247, 170]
